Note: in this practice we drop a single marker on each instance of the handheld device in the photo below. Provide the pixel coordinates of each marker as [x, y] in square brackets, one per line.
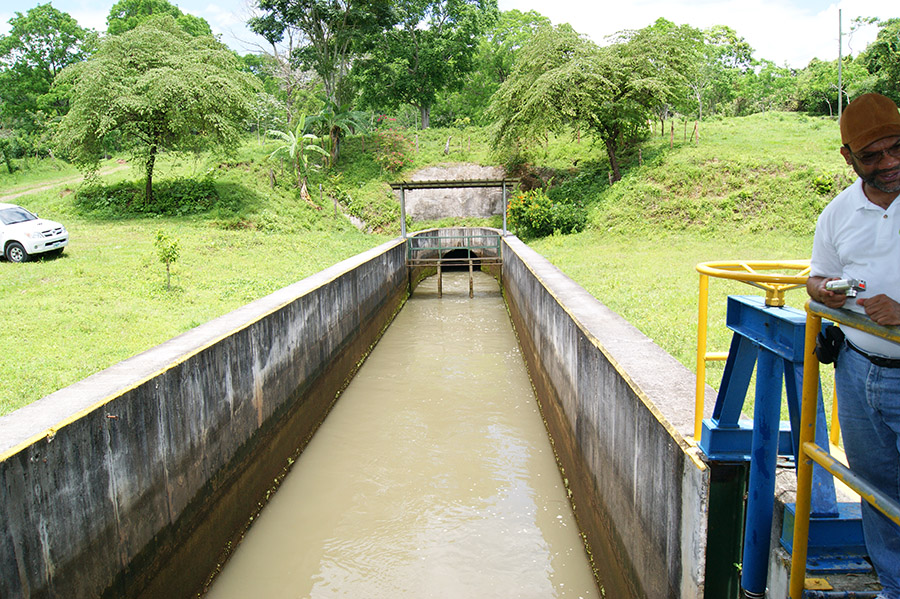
[849, 287]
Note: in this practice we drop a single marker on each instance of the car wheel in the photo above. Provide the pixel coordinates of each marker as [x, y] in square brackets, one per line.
[15, 252]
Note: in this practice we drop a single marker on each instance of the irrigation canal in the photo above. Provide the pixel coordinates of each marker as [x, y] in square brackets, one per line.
[432, 477]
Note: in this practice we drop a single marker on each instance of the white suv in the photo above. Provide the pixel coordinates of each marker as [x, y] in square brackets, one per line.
[23, 234]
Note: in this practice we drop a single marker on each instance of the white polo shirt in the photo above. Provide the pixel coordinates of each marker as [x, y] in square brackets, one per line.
[856, 239]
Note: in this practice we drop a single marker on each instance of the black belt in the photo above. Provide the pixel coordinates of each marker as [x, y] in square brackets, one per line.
[877, 360]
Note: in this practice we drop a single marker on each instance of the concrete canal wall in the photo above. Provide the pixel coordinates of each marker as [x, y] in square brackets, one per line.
[618, 409]
[131, 482]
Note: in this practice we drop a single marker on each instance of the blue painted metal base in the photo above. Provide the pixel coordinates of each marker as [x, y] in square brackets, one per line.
[836, 544]
[770, 340]
[732, 443]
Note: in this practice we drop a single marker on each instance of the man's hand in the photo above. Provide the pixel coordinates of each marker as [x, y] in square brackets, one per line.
[815, 286]
[880, 308]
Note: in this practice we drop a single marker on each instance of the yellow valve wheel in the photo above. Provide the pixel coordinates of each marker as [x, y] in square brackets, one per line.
[759, 273]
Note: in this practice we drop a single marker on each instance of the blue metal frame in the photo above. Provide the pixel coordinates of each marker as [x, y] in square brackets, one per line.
[771, 339]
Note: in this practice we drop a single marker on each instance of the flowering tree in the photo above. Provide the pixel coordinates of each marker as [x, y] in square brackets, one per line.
[392, 149]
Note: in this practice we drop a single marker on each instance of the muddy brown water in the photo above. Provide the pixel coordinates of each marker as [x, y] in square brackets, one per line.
[432, 477]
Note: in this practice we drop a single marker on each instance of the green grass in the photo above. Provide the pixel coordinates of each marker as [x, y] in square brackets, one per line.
[105, 298]
[653, 282]
[751, 190]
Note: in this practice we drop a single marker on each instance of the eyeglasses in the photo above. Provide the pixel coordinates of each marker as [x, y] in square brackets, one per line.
[870, 158]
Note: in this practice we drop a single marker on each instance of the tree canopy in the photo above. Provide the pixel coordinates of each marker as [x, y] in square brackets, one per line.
[721, 59]
[323, 35]
[125, 15]
[447, 62]
[432, 49]
[563, 81]
[882, 59]
[159, 88]
[497, 51]
[40, 44]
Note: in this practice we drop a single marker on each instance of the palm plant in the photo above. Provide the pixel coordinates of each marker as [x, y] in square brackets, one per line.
[297, 147]
[336, 121]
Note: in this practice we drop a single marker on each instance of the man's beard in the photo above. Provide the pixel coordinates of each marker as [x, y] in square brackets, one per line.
[872, 180]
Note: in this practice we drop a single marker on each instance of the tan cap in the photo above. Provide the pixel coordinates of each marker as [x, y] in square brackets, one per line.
[867, 119]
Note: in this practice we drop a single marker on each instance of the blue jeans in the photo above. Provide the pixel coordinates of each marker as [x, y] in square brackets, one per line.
[869, 411]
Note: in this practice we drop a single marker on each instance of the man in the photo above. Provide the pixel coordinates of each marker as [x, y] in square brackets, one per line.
[858, 237]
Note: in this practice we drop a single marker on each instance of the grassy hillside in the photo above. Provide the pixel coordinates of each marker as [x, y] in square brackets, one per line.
[766, 172]
[751, 189]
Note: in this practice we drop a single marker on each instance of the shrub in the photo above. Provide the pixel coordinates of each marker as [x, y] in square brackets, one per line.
[533, 214]
[117, 198]
[569, 217]
[184, 196]
[830, 183]
[175, 197]
[393, 150]
[167, 251]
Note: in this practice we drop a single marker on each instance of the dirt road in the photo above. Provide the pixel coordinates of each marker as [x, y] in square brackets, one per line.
[39, 187]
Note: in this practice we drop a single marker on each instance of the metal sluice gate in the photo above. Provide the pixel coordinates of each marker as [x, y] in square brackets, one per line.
[454, 248]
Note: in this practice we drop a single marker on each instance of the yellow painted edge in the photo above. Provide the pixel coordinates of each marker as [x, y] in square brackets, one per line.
[50, 432]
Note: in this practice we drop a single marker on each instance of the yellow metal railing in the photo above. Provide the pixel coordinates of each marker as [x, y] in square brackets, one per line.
[810, 452]
[757, 273]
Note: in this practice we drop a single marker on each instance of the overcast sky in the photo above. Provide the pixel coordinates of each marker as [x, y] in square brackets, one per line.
[787, 32]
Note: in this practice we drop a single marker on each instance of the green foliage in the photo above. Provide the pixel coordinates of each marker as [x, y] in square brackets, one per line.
[182, 196]
[6, 154]
[40, 44]
[766, 88]
[393, 150]
[125, 15]
[174, 197]
[882, 59]
[412, 63]
[374, 205]
[817, 85]
[335, 122]
[496, 55]
[331, 33]
[728, 56]
[564, 81]
[568, 217]
[534, 214]
[588, 182]
[766, 172]
[167, 251]
[297, 146]
[159, 88]
[751, 189]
